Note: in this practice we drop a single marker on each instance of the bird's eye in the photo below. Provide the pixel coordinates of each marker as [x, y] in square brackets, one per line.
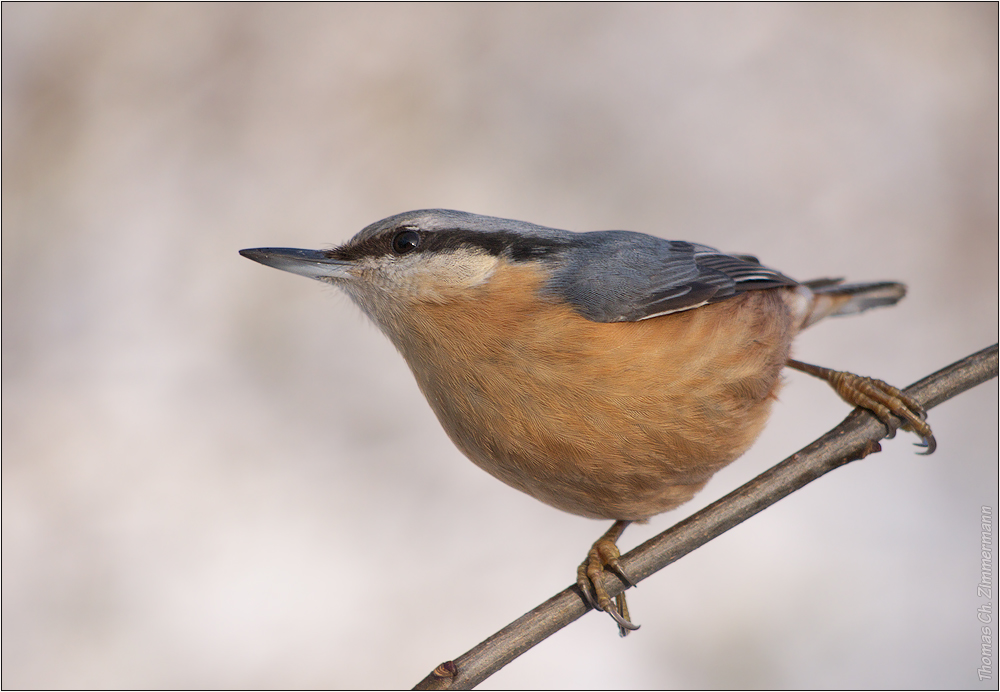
[405, 241]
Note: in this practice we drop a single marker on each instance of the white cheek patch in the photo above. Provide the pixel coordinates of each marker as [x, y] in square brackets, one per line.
[444, 275]
[430, 276]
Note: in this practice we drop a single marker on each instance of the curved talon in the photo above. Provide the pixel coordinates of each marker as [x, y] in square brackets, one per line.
[583, 582]
[620, 572]
[623, 624]
[929, 442]
[622, 607]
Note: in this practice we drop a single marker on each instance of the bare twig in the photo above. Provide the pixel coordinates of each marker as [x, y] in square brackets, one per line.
[855, 438]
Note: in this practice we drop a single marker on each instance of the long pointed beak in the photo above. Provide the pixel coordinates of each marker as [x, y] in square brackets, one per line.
[311, 263]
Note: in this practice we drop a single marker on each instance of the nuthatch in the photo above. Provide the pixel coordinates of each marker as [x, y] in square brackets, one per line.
[608, 374]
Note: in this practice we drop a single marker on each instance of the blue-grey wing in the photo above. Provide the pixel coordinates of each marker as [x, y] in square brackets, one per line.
[619, 276]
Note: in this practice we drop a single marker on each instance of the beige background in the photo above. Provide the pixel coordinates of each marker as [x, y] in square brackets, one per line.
[216, 474]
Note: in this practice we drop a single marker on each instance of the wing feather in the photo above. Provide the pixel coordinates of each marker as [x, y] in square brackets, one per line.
[619, 276]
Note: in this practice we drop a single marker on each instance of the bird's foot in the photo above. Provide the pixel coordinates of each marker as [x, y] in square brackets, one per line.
[879, 397]
[602, 558]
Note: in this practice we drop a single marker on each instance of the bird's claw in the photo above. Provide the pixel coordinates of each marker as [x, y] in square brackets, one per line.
[929, 442]
[584, 583]
[602, 558]
[619, 613]
[880, 398]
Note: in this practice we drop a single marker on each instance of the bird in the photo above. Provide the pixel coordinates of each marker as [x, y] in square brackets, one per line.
[608, 374]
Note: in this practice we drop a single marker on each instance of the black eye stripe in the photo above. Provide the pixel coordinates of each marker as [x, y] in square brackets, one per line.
[513, 245]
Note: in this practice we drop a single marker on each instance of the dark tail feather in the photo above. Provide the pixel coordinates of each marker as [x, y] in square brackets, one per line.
[832, 298]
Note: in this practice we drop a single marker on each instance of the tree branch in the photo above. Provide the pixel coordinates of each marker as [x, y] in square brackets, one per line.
[855, 438]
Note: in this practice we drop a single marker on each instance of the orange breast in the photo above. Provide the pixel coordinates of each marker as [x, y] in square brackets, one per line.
[609, 420]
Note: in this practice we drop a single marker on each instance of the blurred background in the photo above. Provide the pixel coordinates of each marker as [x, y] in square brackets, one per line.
[220, 475]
